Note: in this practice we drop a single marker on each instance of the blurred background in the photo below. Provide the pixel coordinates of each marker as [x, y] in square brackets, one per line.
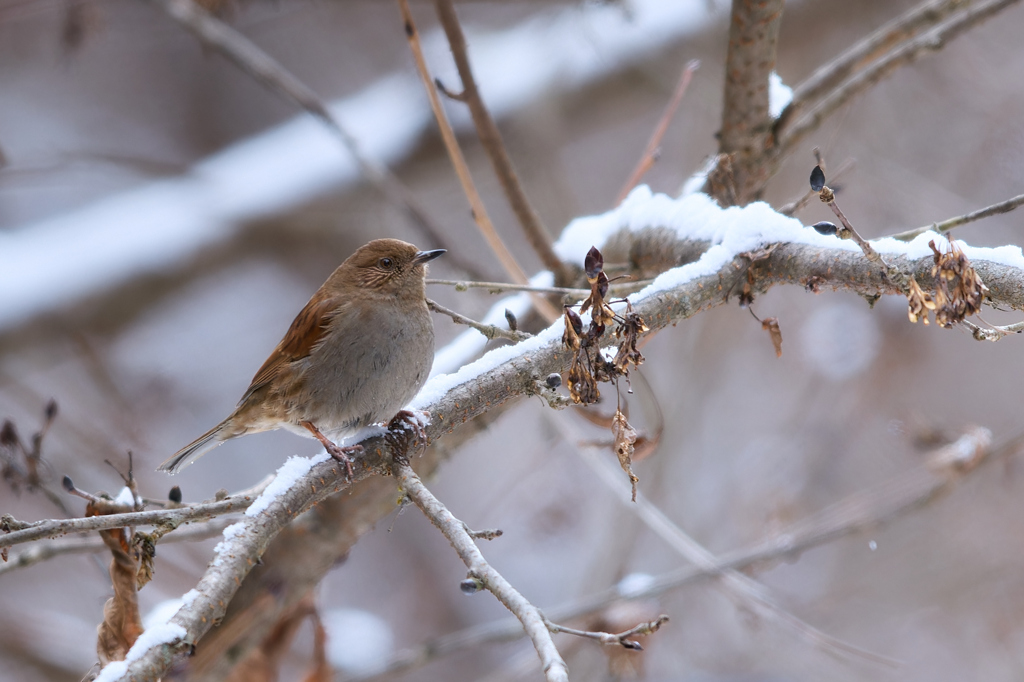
[163, 217]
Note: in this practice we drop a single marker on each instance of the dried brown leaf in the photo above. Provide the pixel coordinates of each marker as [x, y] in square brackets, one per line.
[771, 325]
[122, 623]
[625, 440]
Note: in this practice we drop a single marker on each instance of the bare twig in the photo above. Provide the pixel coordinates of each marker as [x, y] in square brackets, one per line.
[619, 638]
[950, 223]
[532, 620]
[831, 75]
[489, 330]
[501, 287]
[483, 220]
[909, 51]
[254, 61]
[746, 131]
[651, 150]
[55, 527]
[490, 138]
[89, 545]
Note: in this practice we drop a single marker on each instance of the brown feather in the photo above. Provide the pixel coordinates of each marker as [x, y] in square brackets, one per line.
[305, 332]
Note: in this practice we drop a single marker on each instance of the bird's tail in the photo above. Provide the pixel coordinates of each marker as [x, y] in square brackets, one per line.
[194, 450]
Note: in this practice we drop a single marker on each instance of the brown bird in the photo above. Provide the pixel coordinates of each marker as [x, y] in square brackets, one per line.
[355, 354]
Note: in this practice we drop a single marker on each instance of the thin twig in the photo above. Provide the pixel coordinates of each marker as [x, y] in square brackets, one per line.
[489, 330]
[650, 154]
[89, 545]
[490, 138]
[501, 287]
[483, 220]
[52, 528]
[831, 75]
[950, 223]
[862, 510]
[932, 41]
[529, 616]
[270, 73]
[619, 638]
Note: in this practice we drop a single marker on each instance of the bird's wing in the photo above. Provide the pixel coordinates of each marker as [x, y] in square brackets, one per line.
[305, 332]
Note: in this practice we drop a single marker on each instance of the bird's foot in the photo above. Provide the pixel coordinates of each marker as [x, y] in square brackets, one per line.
[406, 428]
[344, 454]
[339, 453]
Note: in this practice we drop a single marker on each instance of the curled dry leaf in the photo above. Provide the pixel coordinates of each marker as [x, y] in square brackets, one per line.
[122, 623]
[625, 439]
[771, 325]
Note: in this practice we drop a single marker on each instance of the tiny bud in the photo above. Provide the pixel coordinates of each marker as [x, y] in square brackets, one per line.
[470, 586]
[8, 434]
[51, 410]
[68, 484]
[554, 380]
[817, 179]
[825, 227]
[510, 317]
[593, 263]
[175, 495]
[461, 286]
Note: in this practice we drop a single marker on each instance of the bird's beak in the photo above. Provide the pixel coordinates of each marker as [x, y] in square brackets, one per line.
[427, 256]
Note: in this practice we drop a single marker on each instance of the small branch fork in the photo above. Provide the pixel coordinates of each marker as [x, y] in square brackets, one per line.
[489, 330]
[490, 138]
[533, 622]
[482, 575]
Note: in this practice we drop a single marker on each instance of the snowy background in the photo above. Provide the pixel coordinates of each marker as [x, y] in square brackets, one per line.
[162, 218]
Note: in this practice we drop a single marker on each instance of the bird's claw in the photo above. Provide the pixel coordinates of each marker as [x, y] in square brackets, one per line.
[344, 455]
[406, 425]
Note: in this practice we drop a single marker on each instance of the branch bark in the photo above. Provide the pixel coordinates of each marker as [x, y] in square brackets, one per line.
[746, 132]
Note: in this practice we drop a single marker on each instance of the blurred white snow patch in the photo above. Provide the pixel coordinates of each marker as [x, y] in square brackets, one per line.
[634, 584]
[779, 95]
[125, 497]
[151, 637]
[840, 340]
[162, 612]
[358, 642]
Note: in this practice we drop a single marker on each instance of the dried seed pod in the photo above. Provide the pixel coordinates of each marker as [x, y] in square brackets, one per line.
[826, 228]
[817, 179]
[553, 380]
[510, 317]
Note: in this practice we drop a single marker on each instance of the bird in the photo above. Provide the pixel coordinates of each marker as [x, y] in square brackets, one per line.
[358, 351]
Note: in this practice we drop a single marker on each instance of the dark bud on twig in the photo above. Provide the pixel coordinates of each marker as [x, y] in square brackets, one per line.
[826, 228]
[51, 410]
[593, 264]
[9, 435]
[471, 586]
[68, 484]
[510, 317]
[175, 495]
[817, 179]
[554, 380]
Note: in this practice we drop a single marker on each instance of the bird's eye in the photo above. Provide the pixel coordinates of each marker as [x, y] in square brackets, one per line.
[386, 263]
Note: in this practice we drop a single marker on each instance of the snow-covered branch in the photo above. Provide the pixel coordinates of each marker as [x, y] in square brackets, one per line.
[799, 256]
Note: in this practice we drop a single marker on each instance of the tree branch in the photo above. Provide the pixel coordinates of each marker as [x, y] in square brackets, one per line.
[489, 330]
[483, 386]
[931, 41]
[532, 620]
[490, 138]
[746, 133]
[829, 76]
[950, 223]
